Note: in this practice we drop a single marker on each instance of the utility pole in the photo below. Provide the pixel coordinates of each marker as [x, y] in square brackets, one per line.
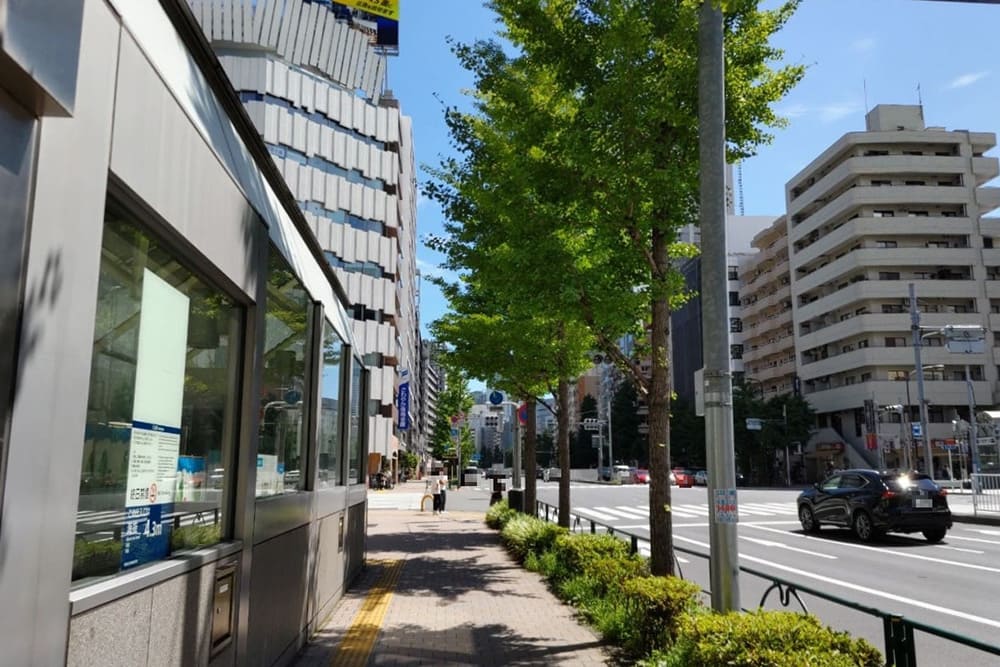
[724, 562]
[917, 343]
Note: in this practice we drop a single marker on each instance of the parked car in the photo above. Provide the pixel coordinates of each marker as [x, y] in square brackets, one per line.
[683, 477]
[640, 476]
[872, 503]
[701, 478]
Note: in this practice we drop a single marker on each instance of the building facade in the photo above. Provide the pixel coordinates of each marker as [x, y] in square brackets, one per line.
[185, 415]
[314, 85]
[899, 204]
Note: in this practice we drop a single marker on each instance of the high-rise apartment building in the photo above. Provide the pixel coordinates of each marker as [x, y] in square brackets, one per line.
[879, 210]
[766, 322]
[313, 83]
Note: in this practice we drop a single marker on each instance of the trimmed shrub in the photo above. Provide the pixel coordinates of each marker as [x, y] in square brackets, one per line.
[655, 607]
[763, 639]
[572, 552]
[524, 534]
[499, 514]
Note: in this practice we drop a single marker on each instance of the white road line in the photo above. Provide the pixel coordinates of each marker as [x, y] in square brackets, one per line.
[901, 554]
[637, 511]
[695, 509]
[861, 589]
[597, 515]
[779, 545]
[625, 514]
[968, 551]
[972, 539]
[770, 509]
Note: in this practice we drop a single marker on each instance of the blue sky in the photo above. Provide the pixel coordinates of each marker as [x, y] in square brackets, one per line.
[887, 46]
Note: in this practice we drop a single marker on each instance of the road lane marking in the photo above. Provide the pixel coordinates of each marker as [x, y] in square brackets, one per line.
[673, 510]
[903, 554]
[859, 588]
[973, 539]
[624, 514]
[597, 515]
[968, 551]
[359, 641]
[779, 545]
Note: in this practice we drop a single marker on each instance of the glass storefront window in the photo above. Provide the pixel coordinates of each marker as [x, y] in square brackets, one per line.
[356, 434]
[281, 447]
[330, 458]
[161, 408]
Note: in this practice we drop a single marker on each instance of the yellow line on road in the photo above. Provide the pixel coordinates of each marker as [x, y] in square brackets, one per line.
[356, 647]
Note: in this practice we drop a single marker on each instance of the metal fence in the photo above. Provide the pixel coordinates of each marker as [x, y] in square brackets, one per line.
[986, 492]
[898, 631]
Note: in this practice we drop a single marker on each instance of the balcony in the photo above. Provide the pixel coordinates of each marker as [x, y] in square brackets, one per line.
[854, 229]
[886, 258]
[888, 392]
[888, 289]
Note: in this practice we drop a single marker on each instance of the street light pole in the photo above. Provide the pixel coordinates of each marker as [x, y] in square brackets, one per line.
[917, 343]
[723, 505]
[973, 433]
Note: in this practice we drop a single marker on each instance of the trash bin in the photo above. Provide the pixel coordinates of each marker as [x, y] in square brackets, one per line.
[515, 498]
[499, 484]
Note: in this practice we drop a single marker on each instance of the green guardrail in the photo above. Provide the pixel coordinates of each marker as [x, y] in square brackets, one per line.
[898, 631]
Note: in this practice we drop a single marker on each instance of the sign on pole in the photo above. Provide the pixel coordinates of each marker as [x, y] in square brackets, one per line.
[754, 424]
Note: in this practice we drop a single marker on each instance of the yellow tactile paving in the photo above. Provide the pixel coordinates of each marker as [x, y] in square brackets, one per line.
[356, 647]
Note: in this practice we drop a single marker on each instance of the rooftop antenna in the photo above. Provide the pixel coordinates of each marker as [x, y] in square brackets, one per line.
[864, 82]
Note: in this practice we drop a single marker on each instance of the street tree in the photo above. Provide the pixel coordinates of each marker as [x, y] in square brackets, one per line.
[615, 168]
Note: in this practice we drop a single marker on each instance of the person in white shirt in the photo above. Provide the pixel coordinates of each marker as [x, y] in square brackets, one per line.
[443, 483]
[435, 483]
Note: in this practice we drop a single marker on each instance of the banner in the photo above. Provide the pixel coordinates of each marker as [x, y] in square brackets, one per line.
[386, 8]
[403, 406]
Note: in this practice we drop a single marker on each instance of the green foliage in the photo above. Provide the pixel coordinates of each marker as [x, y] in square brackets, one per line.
[94, 558]
[192, 537]
[409, 460]
[524, 534]
[764, 639]
[655, 607]
[454, 401]
[499, 514]
[573, 552]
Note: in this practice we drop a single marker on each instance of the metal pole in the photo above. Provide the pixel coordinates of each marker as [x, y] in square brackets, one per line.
[724, 563]
[611, 446]
[917, 342]
[973, 432]
[908, 429]
[516, 481]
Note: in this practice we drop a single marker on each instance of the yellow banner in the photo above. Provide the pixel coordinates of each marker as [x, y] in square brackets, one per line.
[386, 8]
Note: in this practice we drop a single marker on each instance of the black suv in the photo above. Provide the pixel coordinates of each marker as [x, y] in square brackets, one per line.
[872, 503]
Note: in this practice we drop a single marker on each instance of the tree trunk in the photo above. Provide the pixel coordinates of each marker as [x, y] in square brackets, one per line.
[531, 458]
[661, 557]
[562, 421]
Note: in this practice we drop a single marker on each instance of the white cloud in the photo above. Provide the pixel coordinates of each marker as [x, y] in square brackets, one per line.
[829, 113]
[863, 44]
[793, 110]
[429, 269]
[967, 79]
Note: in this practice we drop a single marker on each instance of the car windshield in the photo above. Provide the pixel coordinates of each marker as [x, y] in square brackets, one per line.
[910, 482]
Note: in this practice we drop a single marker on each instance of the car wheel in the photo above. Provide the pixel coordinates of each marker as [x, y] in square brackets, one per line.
[935, 534]
[808, 520]
[864, 529]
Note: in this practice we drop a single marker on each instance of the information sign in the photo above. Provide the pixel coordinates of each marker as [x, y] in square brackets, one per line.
[726, 507]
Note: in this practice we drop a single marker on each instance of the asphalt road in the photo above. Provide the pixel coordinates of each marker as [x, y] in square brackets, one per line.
[954, 585]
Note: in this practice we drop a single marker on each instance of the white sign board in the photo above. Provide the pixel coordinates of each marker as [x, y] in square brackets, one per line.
[726, 507]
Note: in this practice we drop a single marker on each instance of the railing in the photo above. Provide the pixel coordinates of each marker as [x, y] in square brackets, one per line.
[900, 647]
[986, 492]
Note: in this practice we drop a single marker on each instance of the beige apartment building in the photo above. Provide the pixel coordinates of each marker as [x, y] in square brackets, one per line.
[899, 203]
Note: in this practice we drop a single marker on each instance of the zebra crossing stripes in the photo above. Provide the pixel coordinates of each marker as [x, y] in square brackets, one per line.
[685, 511]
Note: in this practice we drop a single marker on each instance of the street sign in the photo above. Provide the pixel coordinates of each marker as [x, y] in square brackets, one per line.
[496, 398]
[522, 414]
[754, 424]
[917, 430]
[986, 441]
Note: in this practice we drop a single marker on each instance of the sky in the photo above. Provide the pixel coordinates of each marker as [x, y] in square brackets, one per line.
[858, 53]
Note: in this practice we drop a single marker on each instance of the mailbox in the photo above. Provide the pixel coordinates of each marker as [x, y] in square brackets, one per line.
[223, 598]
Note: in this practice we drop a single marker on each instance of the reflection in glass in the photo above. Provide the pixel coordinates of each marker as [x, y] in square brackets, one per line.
[159, 432]
[357, 428]
[280, 450]
[330, 473]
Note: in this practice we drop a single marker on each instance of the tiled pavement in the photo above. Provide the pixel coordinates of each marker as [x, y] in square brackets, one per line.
[459, 600]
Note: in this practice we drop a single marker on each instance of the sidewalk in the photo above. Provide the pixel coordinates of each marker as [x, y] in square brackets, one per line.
[441, 590]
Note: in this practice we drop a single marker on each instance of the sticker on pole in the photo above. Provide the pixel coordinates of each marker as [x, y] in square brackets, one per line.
[726, 509]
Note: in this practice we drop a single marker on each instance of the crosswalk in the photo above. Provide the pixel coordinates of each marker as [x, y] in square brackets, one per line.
[747, 511]
[394, 501]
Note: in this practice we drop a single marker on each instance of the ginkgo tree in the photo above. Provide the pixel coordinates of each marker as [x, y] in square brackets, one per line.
[579, 166]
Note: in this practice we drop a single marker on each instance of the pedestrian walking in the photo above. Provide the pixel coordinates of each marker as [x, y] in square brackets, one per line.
[435, 483]
[443, 483]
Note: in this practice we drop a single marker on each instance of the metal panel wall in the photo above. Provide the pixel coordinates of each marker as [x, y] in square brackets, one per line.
[39, 514]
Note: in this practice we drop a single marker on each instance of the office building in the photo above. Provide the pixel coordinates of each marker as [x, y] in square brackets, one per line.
[313, 82]
[184, 424]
